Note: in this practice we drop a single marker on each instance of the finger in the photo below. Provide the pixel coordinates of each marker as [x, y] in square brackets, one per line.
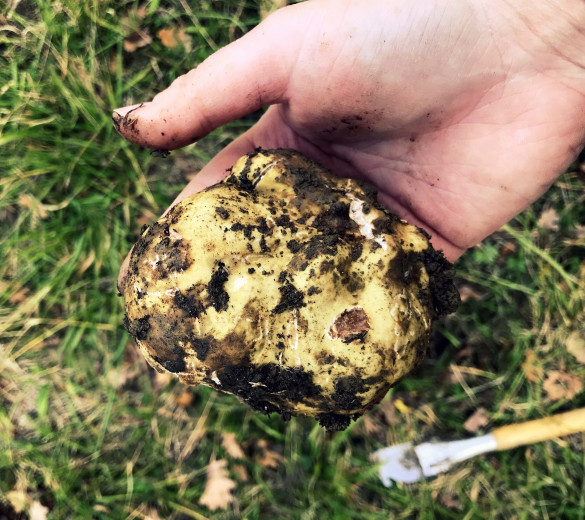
[236, 80]
[213, 172]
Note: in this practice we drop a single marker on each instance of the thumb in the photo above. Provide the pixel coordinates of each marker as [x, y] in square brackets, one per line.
[236, 80]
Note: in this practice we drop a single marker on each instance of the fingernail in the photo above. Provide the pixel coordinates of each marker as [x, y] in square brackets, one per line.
[123, 117]
[124, 111]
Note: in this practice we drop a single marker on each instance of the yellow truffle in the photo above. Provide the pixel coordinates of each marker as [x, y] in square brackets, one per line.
[288, 287]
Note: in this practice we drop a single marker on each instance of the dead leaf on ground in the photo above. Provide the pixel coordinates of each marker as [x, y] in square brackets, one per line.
[508, 248]
[38, 511]
[136, 36]
[240, 472]
[268, 457]
[549, 219]
[575, 345]
[174, 37]
[218, 488]
[137, 40]
[561, 385]
[532, 367]
[231, 445]
[19, 296]
[142, 11]
[449, 500]
[184, 399]
[477, 420]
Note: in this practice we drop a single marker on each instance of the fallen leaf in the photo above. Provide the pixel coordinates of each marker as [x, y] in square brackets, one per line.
[240, 472]
[137, 40]
[508, 248]
[561, 385]
[575, 345]
[19, 296]
[184, 399]
[231, 445]
[477, 420]
[549, 219]
[174, 37]
[38, 511]
[532, 367]
[450, 501]
[218, 488]
[141, 11]
[268, 457]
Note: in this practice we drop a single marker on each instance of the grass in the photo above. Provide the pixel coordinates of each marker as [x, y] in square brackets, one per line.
[88, 431]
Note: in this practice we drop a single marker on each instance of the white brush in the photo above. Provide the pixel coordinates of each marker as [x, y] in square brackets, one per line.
[407, 463]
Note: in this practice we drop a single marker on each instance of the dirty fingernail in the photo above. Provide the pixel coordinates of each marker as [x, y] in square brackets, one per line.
[124, 111]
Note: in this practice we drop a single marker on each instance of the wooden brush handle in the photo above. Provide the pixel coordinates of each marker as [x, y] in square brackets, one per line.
[515, 435]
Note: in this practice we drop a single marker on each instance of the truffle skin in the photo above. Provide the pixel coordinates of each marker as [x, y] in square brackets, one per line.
[288, 287]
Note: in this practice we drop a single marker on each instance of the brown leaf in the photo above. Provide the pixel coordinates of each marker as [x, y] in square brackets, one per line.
[576, 345]
[268, 458]
[184, 399]
[240, 472]
[174, 37]
[477, 420]
[450, 501]
[136, 40]
[19, 296]
[532, 367]
[218, 488]
[561, 385]
[231, 445]
[508, 248]
[142, 11]
[549, 219]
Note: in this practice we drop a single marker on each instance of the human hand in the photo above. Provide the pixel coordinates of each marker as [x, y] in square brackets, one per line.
[460, 113]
